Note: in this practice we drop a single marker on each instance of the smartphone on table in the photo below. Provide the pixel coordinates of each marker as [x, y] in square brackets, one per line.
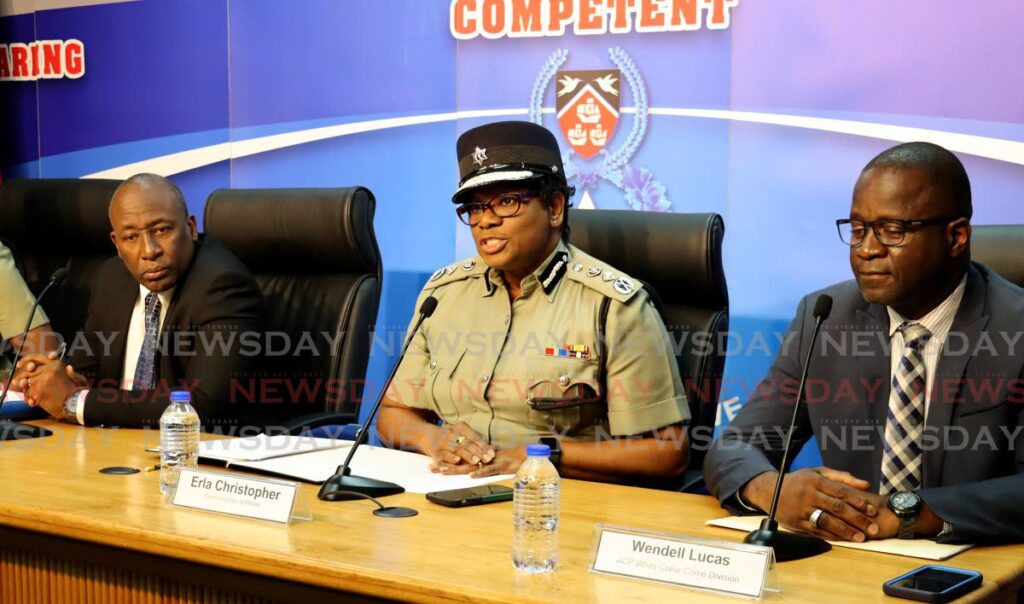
[460, 498]
[933, 583]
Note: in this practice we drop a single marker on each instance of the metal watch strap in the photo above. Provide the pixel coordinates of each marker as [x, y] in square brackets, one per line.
[908, 527]
[71, 407]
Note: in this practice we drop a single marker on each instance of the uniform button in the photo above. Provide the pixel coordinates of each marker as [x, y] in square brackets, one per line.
[433, 364]
[563, 379]
[484, 378]
[507, 319]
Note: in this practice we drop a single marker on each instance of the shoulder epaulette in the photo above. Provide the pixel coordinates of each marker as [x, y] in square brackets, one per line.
[457, 271]
[597, 275]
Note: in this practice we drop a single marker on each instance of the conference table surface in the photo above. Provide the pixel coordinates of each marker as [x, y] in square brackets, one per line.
[52, 487]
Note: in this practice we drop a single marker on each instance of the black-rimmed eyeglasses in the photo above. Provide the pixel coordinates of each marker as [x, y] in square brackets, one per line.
[890, 232]
[504, 205]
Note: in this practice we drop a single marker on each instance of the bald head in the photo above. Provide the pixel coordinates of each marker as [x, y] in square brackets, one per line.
[940, 168]
[155, 182]
[152, 230]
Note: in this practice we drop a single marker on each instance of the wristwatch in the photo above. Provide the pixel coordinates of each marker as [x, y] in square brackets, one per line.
[906, 505]
[71, 406]
[556, 450]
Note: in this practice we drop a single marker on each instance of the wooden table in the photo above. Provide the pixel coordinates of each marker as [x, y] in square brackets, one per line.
[69, 533]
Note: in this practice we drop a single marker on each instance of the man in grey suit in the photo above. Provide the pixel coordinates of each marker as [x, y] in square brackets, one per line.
[915, 387]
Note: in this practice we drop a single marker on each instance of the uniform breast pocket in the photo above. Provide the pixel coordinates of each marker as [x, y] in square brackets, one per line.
[563, 394]
[442, 367]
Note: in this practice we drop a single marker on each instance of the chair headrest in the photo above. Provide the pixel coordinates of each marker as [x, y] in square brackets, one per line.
[679, 255]
[35, 213]
[1001, 248]
[296, 231]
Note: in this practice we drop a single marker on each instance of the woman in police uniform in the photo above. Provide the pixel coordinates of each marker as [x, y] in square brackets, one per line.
[534, 340]
[15, 305]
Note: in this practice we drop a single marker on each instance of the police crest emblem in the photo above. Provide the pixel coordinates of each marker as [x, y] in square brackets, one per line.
[587, 105]
[588, 108]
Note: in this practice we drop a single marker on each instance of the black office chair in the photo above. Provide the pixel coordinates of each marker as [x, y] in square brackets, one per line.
[314, 255]
[679, 259]
[1001, 248]
[51, 223]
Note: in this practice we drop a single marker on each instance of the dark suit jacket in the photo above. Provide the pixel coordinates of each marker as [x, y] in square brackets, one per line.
[973, 474]
[215, 302]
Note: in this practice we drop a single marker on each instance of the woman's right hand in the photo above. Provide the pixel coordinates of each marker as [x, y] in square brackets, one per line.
[458, 443]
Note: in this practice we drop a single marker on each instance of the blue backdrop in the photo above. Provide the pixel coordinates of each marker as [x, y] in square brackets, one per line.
[766, 122]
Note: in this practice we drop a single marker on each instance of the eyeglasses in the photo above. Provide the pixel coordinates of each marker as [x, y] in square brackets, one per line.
[890, 232]
[505, 205]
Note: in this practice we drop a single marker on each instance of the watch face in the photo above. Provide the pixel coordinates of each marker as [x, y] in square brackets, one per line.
[904, 500]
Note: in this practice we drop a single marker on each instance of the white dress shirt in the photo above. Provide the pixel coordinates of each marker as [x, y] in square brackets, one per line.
[133, 345]
[938, 321]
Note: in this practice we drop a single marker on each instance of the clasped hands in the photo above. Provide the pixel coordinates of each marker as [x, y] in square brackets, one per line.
[47, 382]
[849, 511]
[458, 449]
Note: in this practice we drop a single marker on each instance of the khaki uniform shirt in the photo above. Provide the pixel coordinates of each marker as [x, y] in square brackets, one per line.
[15, 299]
[517, 371]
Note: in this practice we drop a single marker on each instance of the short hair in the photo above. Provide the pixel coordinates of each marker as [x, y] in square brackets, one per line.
[547, 186]
[941, 165]
[147, 180]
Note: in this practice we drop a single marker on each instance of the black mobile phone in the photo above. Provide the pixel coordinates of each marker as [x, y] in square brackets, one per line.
[933, 583]
[460, 498]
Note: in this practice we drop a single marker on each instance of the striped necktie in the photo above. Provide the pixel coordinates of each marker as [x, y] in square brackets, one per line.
[147, 354]
[904, 424]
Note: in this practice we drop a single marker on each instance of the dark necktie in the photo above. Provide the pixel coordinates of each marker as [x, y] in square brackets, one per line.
[144, 368]
[904, 425]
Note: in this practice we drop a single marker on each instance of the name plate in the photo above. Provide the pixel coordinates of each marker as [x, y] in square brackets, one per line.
[718, 566]
[259, 498]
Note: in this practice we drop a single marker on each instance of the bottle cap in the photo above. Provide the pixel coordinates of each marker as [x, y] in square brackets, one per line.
[181, 396]
[538, 450]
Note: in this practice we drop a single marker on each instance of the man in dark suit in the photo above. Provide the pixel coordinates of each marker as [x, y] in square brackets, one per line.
[170, 313]
[915, 385]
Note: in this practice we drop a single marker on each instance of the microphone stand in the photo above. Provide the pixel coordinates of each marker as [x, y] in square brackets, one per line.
[343, 485]
[787, 545]
[10, 430]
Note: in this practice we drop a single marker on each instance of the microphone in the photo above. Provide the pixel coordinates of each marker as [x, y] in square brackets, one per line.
[343, 485]
[12, 430]
[793, 546]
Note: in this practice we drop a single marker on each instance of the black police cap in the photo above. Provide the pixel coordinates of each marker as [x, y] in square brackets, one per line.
[504, 152]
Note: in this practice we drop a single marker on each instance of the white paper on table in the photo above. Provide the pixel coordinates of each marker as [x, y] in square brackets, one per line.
[13, 396]
[912, 548]
[410, 470]
[261, 446]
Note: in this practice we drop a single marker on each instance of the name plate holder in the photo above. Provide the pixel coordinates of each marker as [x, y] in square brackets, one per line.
[254, 498]
[720, 567]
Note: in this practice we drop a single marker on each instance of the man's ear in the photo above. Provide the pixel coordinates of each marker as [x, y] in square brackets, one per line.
[192, 229]
[958, 233]
[113, 239]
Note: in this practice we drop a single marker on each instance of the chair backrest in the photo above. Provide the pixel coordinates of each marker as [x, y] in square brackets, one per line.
[1001, 248]
[315, 257]
[55, 222]
[679, 258]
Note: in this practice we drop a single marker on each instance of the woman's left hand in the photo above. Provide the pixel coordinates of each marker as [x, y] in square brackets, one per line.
[504, 462]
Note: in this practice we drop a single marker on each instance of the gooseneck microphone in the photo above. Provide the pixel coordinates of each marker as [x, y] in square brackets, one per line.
[343, 485]
[12, 430]
[793, 546]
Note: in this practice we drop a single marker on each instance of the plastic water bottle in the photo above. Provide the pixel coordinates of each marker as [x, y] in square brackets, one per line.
[537, 490]
[179, 439]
